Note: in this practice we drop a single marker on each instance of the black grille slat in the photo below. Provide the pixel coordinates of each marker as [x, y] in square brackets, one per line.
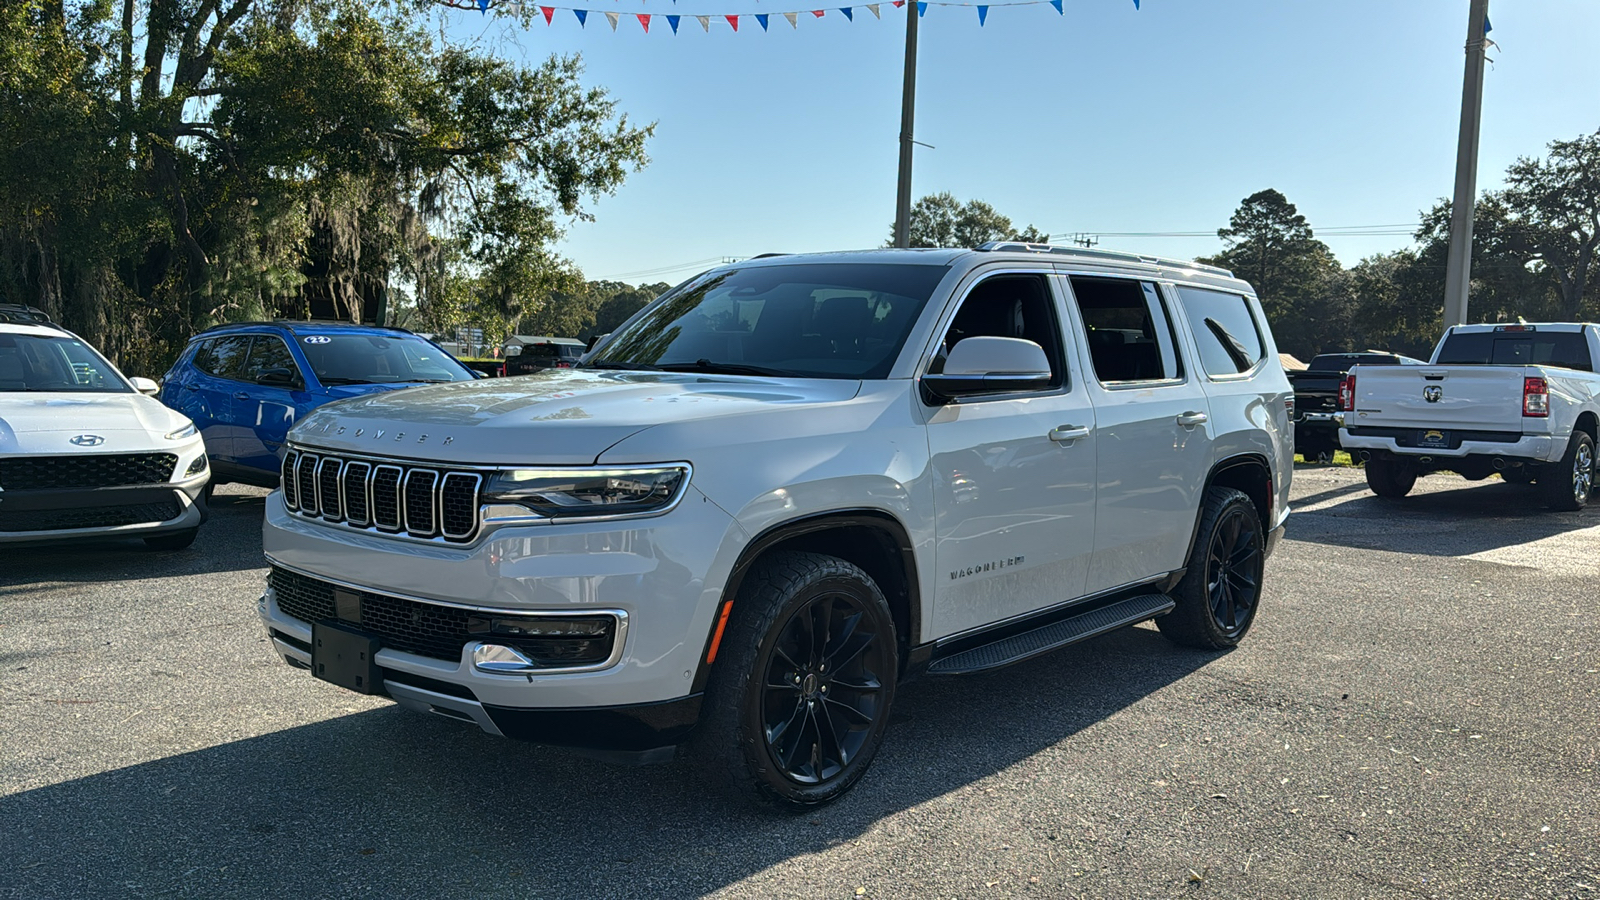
[426, 629]
[286, 479]
[458, 504]
[88, 517]
[419, 502]
[328, 489]
[386, 497]
[355, 492]
[306, 483]
[91, 470]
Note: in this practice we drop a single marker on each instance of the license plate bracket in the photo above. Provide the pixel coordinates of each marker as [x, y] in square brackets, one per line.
[1433, 439]
[346, 657]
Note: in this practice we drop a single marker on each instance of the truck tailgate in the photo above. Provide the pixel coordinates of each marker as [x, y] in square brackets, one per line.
[1473, 398]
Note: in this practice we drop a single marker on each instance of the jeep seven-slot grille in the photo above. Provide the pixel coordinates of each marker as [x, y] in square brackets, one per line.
[435, 630]
[393, 497]
[91, 470]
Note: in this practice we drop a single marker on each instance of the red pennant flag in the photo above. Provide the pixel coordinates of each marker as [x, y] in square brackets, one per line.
[644, 19]
[819, 13]
[899, 3]
[548, 12]
[734, 21]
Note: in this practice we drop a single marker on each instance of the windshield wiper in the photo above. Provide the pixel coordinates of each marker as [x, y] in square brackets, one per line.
[725, 368]
[331, 379]
[618, 364]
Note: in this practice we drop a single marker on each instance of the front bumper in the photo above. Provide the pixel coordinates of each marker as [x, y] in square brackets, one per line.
[143, 510]
[658, 575]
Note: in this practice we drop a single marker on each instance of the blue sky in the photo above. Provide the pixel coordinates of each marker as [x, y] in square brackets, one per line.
[1102, 120]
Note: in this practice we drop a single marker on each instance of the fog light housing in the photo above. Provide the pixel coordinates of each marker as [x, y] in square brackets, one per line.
[196, 467]
[527, 644]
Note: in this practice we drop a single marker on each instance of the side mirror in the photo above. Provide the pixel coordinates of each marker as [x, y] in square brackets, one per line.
[145, 386]
[277, 377]
[989, 365]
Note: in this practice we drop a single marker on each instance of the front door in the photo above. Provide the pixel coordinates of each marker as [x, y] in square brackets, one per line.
[1152, 426]
[264, 413]
[1013, 473]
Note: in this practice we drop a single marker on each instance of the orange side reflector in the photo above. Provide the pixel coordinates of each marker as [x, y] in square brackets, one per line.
[716, 639]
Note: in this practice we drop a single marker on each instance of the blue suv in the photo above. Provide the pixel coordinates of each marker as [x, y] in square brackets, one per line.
[246, 385]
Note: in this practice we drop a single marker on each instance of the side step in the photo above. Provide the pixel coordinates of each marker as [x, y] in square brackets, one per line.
[1028, 644]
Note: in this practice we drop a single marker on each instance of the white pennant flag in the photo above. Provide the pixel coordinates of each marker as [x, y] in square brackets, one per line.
[612, 18]
[790, 17]
[874, 8]
[705, 22]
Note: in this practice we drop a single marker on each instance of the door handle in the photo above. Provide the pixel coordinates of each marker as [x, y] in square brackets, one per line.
[1191, 419]
[190, 387]
[241, 396]
[1069, 433]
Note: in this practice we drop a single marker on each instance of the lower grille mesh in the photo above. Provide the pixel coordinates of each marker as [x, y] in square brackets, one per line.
[91, 517]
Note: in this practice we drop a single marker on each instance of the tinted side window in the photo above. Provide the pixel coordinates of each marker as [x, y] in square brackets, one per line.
[223, 357]
[1225, 330]
[1129, 332]
[1013, 306]
[269, 352]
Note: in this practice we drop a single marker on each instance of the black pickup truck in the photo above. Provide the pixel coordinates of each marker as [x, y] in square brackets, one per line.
[1316, 397]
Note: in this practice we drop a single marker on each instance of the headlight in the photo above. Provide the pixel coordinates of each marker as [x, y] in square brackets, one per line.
[186, 431]
[574, 493]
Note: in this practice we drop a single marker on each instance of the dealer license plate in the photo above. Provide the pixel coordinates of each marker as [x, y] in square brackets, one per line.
[346, 657]
[1434, 440]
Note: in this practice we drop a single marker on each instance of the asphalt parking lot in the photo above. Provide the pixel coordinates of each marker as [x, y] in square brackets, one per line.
[1416, 714]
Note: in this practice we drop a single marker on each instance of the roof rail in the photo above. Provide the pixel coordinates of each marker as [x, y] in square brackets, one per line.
[1119, 255]
[22, 314]
[290, 323]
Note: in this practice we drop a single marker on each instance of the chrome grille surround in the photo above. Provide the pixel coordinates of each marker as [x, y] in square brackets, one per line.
[388, 496]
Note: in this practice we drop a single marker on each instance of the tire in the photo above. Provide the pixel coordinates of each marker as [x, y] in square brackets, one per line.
[177, 540]
[760, 734]
[1389, 478]
[1517, 475]
[1219, 594]
[1568, 484]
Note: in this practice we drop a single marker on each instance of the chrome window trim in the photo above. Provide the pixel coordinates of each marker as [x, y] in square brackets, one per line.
[618, 643]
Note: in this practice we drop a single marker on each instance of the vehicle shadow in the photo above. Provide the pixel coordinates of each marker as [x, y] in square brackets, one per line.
[229, 541]
[390, 803]
[1460, 519]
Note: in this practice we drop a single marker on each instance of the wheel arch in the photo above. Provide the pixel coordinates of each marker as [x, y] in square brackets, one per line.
[1589, 424]
[872, 539]
[1247, 472]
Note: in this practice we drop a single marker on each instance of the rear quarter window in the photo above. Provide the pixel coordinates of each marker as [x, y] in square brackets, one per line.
[1225, 329]
[1561, 349]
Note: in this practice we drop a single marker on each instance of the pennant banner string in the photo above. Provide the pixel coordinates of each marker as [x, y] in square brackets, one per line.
[764, 19]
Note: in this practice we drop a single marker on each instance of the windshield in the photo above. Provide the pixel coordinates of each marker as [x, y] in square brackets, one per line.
[813, 320]
[378, 359]
[31, 362]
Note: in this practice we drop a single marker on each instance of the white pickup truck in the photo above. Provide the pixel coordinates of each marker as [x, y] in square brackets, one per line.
[1522, 400]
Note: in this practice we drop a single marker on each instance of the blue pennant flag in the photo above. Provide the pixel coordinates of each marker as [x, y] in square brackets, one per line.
[1135, 4]
[483, 6]
[922, 9]
[848, 13]
[583, 16]
[1057, 5]
[761, 19]
[983, 13]
[1486, 26]
[673, 21]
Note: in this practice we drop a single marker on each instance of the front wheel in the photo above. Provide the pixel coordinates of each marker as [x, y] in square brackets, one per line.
[1220, 591]
[1389, 478]
[1568, 483]
[800, 691]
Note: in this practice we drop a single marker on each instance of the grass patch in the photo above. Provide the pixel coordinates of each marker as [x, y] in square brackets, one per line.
[1341, 459]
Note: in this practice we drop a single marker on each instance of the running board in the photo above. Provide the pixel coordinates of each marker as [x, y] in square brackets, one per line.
[1028, 644]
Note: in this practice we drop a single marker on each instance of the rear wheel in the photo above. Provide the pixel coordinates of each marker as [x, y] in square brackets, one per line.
[1218, 596]
[1568, 484]
[800, 691]
[1390, 478]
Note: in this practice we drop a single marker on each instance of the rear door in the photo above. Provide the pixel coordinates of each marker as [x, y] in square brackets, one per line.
[263, 413]
[218, 368]
[1152, 431]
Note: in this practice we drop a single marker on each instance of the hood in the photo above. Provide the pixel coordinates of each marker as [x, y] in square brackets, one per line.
[46, 423]
[558, 417]
[347, 391]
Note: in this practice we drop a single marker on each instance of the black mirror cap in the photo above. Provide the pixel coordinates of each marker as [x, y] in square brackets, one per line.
[945, 388]
[276, 377]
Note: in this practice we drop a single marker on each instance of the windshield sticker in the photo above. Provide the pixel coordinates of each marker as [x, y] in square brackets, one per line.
[319, 339]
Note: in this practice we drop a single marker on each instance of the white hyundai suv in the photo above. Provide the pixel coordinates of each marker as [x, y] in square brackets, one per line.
[84, 451]
[783, 489]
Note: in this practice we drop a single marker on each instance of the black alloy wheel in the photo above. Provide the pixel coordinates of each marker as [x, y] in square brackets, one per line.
[1220, 593]
[823, 689]
[1233, 571]
[800, 690]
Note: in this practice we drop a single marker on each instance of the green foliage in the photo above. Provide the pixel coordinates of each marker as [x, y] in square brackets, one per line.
[168, 164]
[940, 220]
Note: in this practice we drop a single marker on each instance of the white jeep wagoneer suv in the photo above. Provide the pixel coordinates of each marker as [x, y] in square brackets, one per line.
[786, 487]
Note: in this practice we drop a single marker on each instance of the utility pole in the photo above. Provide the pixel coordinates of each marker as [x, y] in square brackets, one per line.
[1458, 270]
[902, 206]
